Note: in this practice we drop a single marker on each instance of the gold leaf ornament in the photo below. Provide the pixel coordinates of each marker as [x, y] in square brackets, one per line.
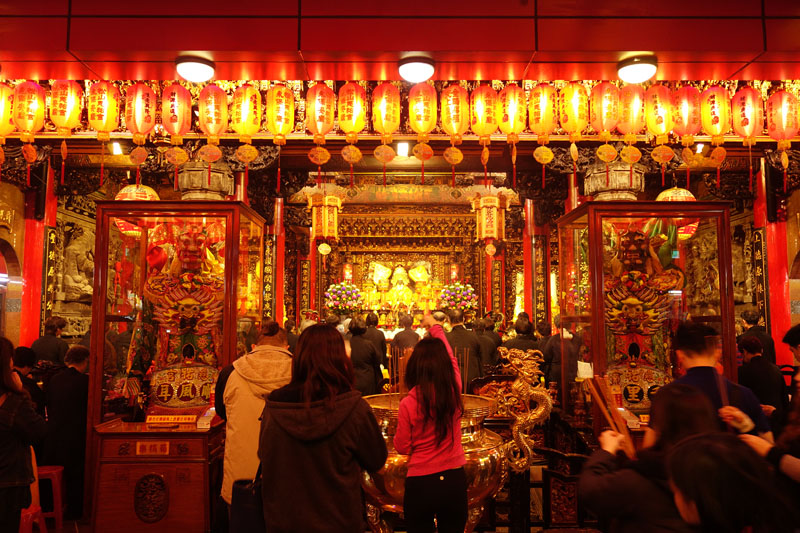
[630, 154]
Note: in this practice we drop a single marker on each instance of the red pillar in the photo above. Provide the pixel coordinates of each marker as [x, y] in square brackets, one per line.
[777, 270]
[33, 260]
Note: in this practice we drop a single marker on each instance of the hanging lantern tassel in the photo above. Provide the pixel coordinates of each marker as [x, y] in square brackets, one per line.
[351, 176]
[319, 175]
[384, 174]
[750, 160]
[63, 159]
[175, 184]
[687, 177]
[2, 160]
[453, 176]
[630, 176]
[663, 172]
[717, 177]
[209, 174]
[514, 163]
[28, 177]
[422, 178]
[102, 163]
[278, 180]
[138, 175]
[608, 177]
[246, 177]
[543, 177]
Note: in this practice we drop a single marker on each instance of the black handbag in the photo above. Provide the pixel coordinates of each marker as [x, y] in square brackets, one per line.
[247, 508]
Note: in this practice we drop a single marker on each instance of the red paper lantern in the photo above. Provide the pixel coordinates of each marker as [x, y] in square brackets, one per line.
[66, 105]
[352, 110]
[140, 111]
[246, 112]
[104, 101]
[279, 113]
[543, 111]
[658, 112]
[715, 113]
[422, 110]
[455, 112]
[320, 108]
[133, 193]
[782, 122]
[747, 114]
[386, 110]
[686, 107]
[7, 126]
[176, 112]
[485, 113]
[573, 109]
[604, 109]
[631, 112]
[29, 106]
[213, 112]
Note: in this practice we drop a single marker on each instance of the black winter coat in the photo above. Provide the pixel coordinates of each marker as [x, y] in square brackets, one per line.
[312, 458]
[366, 365]
[635, 498]
[20, 427]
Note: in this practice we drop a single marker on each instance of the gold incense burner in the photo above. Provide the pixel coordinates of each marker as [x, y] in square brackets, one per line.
[488, 456]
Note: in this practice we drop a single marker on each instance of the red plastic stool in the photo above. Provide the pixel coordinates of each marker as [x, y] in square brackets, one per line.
[32, 515]
[56, 476]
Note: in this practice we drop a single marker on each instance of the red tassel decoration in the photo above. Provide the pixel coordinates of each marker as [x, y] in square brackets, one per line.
[630, 177]
[246, 182]
[784, 178]
[542, 177]
[102, 164]
[351, 176]
[319, 175]
[279, 180]
[62, 172]
[717, 177]
[485, 176]
[453, 176]
[138, 176]
[175, 184]
[663, 171]
[515, 175]
[384, 174]
[422, 178]
[750, 159]
[209, 174]
[608, 177]
[687, 177]
[28, 177]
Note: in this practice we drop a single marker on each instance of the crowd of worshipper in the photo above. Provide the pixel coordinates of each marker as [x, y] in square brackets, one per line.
[715, 456]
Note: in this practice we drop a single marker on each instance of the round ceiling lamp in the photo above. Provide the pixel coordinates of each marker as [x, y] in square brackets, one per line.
[637, 69]
[195, 69]
[416, 69]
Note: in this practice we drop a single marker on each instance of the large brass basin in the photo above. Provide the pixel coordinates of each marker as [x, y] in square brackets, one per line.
[485, 467]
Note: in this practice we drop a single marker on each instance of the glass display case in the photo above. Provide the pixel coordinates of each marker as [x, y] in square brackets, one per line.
[177, 296]
[629, 273]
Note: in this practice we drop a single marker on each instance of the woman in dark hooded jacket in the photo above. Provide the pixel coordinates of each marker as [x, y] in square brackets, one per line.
[317, 435]
[635, 496]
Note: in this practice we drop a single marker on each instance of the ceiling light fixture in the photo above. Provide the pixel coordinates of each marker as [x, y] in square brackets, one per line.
[116, 149]
[637, 69]
[195, 69]
[416, 69]
[402, 149]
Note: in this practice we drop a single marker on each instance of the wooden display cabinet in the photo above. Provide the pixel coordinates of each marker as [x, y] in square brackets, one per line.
[178, 295]
[629, 272]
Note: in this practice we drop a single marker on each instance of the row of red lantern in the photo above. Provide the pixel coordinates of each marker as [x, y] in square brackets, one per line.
[630, 109]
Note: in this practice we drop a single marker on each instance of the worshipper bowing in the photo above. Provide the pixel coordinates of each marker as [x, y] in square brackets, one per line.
[50, 346]
[524, 339]
[429, 430]
[635, 495]
[317, 435]
[754, 330]
[253, 376]
[698, 349]
[488, 347]
[376, 337]
[24, 361]
[67, 398]
[720, 485]
[405, 338]
[465, 345]
[20, 427]
[366, 359]
[766, 382]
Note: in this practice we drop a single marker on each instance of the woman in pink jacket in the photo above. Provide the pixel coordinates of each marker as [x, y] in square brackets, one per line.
[429, 430]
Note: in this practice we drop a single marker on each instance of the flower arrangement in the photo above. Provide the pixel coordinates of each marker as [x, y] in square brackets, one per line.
[458, 295]
[343, 298]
